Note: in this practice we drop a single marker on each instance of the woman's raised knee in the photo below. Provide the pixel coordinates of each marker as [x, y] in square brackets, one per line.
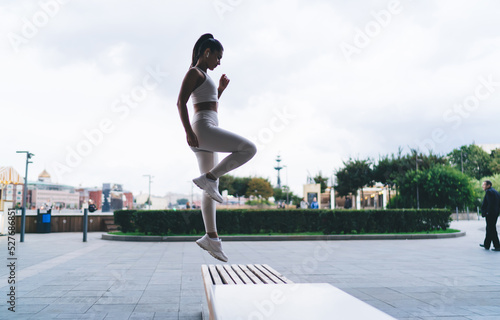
[251, 149]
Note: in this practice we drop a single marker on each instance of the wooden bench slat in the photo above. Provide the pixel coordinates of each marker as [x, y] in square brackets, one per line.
[206, 273]
[242, 275]
[250, 274]
[215, 275]
[277, 274]
[225, 277]
[208, 284]
[233, 274]
[259, 274]
[268, 274]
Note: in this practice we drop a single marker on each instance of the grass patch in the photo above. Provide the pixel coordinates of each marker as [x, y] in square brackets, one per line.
[119, 233]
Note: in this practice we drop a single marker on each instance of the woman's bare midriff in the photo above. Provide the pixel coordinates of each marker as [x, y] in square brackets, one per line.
[206, 106]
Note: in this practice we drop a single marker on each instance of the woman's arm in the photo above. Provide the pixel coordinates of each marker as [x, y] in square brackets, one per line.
[188, 85]
[223, 82]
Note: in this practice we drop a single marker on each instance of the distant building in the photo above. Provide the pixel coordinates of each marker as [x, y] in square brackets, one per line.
[157, 203]
[11, 187]
[11, 194]
[121, 200]
[44, 192]
[86, 194]
[311, 191]
[115, 198]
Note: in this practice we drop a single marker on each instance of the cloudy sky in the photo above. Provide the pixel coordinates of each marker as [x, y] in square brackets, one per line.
[90, 87]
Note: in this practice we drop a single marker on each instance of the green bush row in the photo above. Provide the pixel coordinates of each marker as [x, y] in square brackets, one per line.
[168, 222]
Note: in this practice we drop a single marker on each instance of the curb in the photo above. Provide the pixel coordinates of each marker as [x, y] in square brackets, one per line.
[289, 238]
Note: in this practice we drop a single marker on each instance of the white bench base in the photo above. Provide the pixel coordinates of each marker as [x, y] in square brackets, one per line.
[302, 301]
[258, 292]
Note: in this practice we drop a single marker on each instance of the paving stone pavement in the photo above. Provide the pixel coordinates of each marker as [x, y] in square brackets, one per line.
[60, 277]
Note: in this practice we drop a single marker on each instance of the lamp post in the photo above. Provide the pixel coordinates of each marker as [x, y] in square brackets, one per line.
[416, 171]
[149, 198]
[462, 160]
[278, 168]
[25, 192]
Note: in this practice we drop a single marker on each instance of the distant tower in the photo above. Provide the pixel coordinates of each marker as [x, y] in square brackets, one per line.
[278, 167]
[44, 176]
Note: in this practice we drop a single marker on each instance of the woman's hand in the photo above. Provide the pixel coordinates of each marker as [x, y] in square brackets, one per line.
[223, 82]
[192, 139]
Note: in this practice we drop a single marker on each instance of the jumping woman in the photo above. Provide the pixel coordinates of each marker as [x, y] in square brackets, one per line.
[206, 138]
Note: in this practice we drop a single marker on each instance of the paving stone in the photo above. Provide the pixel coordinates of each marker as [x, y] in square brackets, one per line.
[166, 316]
[142, 316]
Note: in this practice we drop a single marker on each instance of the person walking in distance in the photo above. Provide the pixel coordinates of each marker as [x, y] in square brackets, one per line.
[490, 210]
[206, 138]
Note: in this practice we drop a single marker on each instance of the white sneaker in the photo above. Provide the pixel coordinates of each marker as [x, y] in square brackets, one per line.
[213, 246]
[210, 187]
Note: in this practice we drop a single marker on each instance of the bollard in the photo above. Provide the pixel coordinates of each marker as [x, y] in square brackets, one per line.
[478, 214]
[457, 212]
[23, 223]
[85, 218]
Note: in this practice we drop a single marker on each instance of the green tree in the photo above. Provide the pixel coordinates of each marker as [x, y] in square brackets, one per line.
[296, 200]
[354, 176]
[495, 161]
[478, 186]
[278, 194]
[240, 186]
[182, 201]
[473, 159]
[226, 182]
[259, 187]
[386, 171]
[281, 194]
[321, 180]
[412, 160]
[392, 171]
[439, 187]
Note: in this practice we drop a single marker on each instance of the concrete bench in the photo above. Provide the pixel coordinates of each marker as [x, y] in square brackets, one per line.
[257, 291]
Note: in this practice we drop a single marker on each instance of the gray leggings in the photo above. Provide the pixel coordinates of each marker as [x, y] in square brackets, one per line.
[213, 139]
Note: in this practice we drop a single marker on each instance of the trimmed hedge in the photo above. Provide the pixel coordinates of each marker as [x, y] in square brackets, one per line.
[168, 222]
[125, 220]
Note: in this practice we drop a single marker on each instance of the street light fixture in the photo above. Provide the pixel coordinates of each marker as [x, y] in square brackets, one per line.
[25, 192]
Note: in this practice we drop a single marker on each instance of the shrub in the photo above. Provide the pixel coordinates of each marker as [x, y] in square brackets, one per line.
[169, 222]
[125, 220]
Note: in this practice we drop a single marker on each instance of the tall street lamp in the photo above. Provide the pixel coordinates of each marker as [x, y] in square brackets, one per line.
[25, 192]
[417, 160]
[462, 159]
